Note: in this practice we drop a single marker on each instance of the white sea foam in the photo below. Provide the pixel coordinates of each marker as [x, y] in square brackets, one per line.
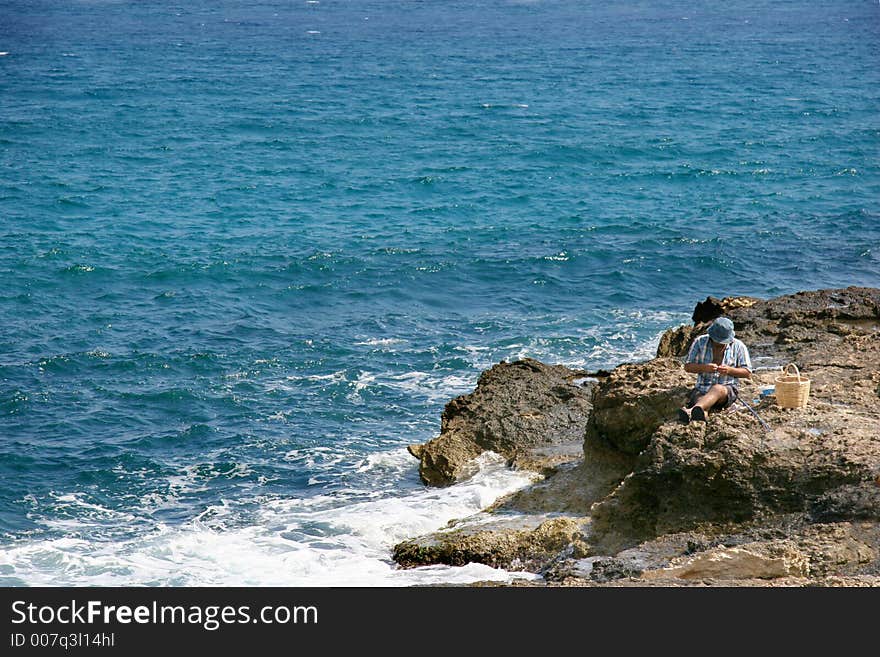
[379, 342]
[562, 256]
[620, 338]
[289, 542]
[494, 105]
[397, 459]
[335, 538]
[285, 384]
[317, 459]
[363, 381]
[431, 386]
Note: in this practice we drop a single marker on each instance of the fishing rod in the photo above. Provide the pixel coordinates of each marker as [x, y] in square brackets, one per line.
[755, 413]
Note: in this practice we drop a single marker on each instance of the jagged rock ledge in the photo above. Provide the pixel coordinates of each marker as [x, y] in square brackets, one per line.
[525, 411]
[632, 497]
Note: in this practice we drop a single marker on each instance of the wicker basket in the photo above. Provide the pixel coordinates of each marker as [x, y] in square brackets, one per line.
[792, 390]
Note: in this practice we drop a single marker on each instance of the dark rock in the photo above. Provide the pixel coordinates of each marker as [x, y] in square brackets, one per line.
[854, 502]
[707, 311]
[607, 569]
[675, 343]
[515, 407]
[787, 325]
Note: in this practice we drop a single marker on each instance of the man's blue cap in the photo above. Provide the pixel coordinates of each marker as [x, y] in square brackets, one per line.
[721, 331]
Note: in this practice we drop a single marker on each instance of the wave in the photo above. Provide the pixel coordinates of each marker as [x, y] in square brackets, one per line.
[320, 541]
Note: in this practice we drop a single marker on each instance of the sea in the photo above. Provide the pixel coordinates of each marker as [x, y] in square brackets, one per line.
[249, 250]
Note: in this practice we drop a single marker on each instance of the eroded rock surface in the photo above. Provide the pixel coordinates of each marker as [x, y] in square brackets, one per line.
[516, 408]
[656, 502]
[635, 399]
[516, 547]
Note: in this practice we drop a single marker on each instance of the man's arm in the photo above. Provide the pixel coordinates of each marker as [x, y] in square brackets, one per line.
[696, 368]
[724, 370]
[693, 367]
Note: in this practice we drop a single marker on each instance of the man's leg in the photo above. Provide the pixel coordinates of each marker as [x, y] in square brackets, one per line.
[717, 394]
[714, 395]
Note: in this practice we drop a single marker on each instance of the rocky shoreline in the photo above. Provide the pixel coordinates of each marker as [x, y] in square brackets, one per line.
[629, 496]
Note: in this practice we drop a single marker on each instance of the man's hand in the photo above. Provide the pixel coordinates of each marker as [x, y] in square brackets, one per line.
[738, 372]
[711, 368]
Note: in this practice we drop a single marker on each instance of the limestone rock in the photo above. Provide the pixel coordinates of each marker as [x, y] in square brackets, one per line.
[516, 407]
[811, 551]
[655, 502]
[832, 548]
[497, 545]
[573, 488]
[635, 399]
[676, 343]
[752, 561]
[728, 470]
[822, 458]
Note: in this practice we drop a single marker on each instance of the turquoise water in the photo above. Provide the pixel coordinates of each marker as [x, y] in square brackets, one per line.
[248, 251]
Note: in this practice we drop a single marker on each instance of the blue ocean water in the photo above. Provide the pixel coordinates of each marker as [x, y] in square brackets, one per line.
[249, 250]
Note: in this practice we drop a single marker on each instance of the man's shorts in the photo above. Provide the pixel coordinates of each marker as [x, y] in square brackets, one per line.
[732, 395]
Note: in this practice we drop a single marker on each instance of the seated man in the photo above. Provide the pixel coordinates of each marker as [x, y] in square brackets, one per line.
[719, 360]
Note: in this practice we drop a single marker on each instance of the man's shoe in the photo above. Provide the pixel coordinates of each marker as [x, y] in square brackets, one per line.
[683, 415]
[698, 414]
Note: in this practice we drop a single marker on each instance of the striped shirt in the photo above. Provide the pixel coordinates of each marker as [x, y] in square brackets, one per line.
[735, 355]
